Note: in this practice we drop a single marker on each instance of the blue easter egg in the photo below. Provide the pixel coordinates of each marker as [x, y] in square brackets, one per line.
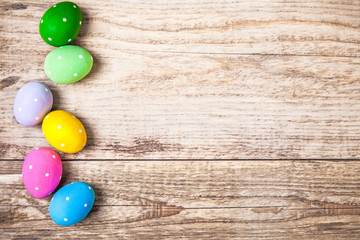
[72, 203]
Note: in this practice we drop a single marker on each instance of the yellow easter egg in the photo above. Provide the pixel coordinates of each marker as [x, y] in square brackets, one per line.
[64, 131]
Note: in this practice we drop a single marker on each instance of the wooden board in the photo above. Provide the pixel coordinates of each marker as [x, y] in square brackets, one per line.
[192, 199]
[205, 119]
[197, 79]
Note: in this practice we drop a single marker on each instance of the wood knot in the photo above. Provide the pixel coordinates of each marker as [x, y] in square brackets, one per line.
[157, 209]
[7, 82]
[18, 6]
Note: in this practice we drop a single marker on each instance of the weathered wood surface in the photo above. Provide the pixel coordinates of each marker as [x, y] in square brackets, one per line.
[195, 199]
[197, 79]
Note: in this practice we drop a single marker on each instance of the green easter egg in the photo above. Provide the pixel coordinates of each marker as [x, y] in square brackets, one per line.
[68, 64]
[60, 24]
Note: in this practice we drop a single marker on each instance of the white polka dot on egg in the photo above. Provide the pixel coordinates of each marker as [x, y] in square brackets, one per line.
[89, 188]
[36, 188]
[74, 6]
[59, 127]
[85, 205]
[47, 174]
[69, 40]
[67, 198]
[62, 144]
[19, 109]
[64, 19]
[30, 167]
[75, 74]
[80, 131]
[35, 100]
[80, 56]
[49, 38]
[54, 156]
[65, 219]
[59, 57]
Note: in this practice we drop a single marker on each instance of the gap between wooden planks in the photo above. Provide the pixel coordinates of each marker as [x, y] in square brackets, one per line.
[198, 199]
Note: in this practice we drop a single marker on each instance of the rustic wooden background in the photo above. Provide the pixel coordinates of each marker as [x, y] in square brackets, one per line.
[206, 119]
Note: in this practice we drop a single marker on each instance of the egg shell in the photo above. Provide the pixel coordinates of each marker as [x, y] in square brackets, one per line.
[72, 203]
[68, 64]
[64, 131]
[60, 24]
[32, 102]
[41, 172]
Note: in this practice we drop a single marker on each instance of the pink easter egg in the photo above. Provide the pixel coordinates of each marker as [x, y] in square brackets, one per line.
[41, 172]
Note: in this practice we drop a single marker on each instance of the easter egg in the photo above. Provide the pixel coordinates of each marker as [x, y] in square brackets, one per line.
[60, 24]
[68, 64]
[32, 102]
[41, 172]
[72, 203]
[64, 131]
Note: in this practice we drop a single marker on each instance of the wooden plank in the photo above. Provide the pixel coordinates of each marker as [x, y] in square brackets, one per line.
[192, 199]
[197, 79]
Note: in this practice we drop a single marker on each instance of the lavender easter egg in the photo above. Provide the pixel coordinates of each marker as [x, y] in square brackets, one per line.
[32, 102]
[72, 203]
[41, 172]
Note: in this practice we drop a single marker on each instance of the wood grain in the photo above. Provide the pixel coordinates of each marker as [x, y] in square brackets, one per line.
[197, 79]
[192, 199]
[259, 81]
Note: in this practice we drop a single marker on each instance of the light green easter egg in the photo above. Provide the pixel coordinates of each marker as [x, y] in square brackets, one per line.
[68, 64]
